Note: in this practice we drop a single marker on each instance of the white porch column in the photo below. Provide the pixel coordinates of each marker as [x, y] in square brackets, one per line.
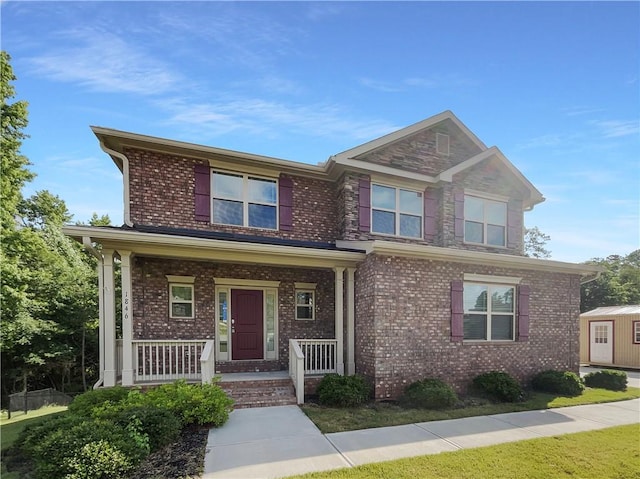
[339, 312]
[109, 334]
[101, 350]
[127, 319]
[351, 308]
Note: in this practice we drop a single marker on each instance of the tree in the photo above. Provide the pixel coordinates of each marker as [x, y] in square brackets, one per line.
[618, 285]
[13, 118]
[535, 242]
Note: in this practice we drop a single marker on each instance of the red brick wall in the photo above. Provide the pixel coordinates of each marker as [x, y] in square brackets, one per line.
[151, 302]
[162, 194]
[403, 325]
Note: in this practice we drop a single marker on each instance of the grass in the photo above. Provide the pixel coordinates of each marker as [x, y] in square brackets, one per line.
[387, 414]
[10, 429]
[606, 453]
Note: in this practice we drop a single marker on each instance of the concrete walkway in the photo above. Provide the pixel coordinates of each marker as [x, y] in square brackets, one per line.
[281, 441]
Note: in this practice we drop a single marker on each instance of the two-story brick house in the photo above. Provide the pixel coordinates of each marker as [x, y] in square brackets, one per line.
[399, 259]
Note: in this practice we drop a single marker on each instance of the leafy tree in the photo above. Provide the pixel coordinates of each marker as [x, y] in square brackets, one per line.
[535, 242]
[618, 285]
[13, 118]
[48, 284]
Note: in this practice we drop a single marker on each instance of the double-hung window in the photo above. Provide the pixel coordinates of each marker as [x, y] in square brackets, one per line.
[489, 312]
[485, 221]
[396, 211]
[636, 332]
[181, 301]
[244, 200]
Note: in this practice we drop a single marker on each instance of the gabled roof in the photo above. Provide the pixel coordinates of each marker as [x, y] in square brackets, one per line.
[535, 196]
[407, 131]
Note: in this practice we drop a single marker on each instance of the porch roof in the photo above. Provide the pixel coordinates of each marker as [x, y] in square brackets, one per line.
[215, 246]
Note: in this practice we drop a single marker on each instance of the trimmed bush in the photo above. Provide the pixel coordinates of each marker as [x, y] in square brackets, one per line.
[607, 379]
[429, 394]
[59, 453]
[499, 386]
[565, 383]
[84, 404]
[202, 404]
[98, 460]
[343, 391]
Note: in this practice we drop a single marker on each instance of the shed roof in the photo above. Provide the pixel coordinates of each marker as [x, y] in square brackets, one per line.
[613, 310]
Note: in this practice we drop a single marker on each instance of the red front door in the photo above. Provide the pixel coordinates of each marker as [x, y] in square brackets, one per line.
[246, 324]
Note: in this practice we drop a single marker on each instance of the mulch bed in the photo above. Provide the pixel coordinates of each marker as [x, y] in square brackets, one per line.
[183, 459]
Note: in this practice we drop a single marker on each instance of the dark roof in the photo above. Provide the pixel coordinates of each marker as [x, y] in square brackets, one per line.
[219, 235]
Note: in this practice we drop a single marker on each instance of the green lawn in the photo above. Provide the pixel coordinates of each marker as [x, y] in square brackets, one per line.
[10, 429]
[606, 453]
[387, 414]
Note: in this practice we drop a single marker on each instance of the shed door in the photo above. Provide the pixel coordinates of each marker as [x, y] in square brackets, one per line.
[601, 342]
[246, 324]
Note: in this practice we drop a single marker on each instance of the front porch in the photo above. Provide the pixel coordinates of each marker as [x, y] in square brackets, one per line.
[157, 362]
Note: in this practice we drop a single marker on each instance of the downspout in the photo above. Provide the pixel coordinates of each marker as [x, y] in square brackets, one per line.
[86, 242]
[125, 180]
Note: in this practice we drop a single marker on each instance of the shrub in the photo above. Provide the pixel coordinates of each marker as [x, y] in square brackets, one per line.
[84, 404]
[60, 452]
[565, 383]
[607, 379]
[33, 434]
[429, 394]
[193, 403]
[343, 391]
[161, 426]
[499, 386]
[98, 460]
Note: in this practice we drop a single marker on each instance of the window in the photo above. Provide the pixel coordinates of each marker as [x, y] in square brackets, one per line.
[636, 332]
[485, 221]
[489, 312]
[244, 200]
[305, 301]
[181, 300]
[396, 211]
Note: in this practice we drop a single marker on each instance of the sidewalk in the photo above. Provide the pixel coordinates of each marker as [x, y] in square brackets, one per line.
[281, 441]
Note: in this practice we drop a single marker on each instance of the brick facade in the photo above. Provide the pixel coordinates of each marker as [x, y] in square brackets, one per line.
[162, 189]
[151, 303]
[403, 325]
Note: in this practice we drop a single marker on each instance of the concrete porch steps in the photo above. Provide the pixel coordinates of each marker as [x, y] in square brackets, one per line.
[259, 392]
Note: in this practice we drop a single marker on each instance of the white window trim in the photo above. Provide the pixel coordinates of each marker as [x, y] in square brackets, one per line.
[245, 200]
[313, 303]
[397, 212]
[172, 302]
[487, 197]
[636, 332]
[180, 279]
[489, 313]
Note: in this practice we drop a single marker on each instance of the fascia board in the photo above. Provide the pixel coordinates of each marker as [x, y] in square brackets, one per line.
[117, 139]
[202, 248]
[338, 166]
[389, 248]
[535, 196]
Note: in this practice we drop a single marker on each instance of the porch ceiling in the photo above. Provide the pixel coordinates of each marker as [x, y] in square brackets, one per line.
[204, 249]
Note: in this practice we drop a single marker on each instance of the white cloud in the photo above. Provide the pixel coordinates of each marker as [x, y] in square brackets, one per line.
[104, 62]
[618, 128]
[380, 85]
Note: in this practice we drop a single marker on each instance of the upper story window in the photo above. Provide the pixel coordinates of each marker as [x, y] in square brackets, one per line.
[489, 312]
[485, 221]
[396, 211]
[244, 200]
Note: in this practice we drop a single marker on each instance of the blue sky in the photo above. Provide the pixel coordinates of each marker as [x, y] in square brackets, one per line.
[553, 85]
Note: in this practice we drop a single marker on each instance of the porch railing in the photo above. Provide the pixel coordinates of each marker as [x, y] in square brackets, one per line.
[207, 362]
[168, 360]
[310, 357]
[319, 355]
[296, 369]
